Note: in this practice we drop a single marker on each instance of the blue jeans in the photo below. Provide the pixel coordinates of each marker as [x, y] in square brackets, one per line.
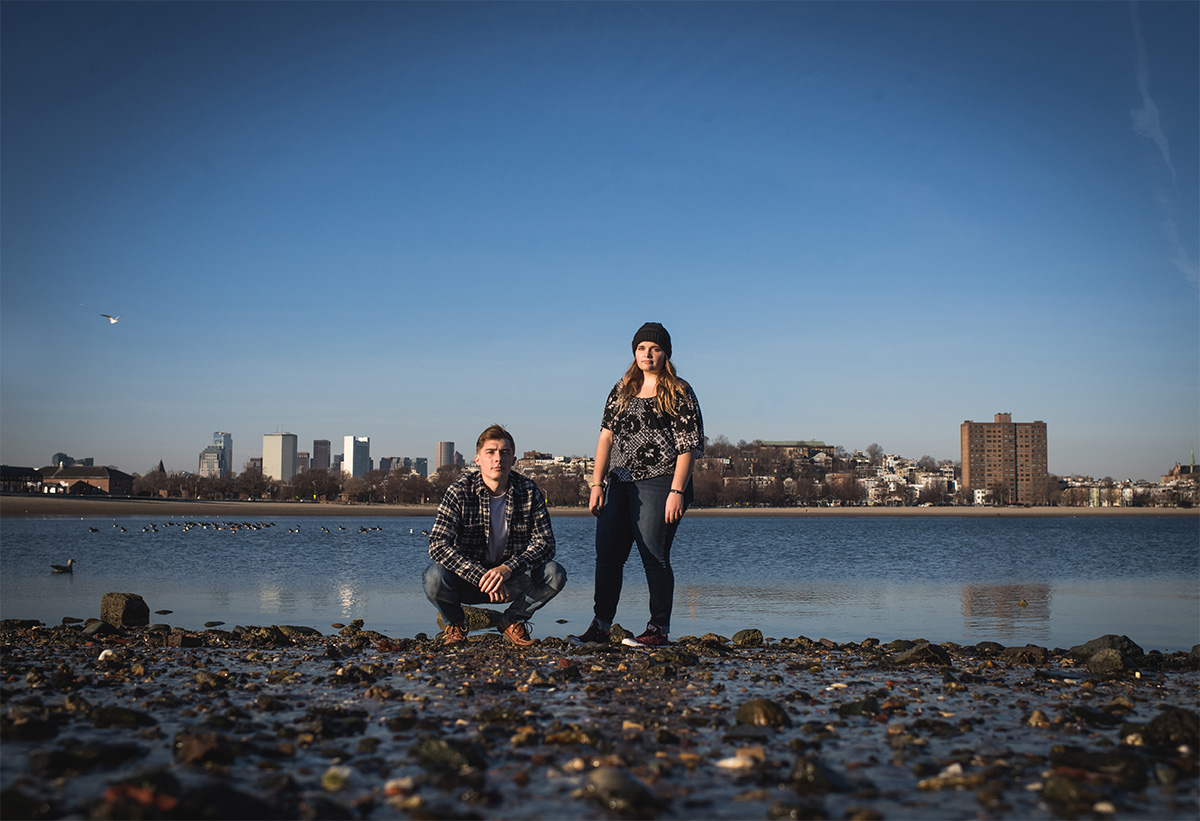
[528, 592]
[636, 512]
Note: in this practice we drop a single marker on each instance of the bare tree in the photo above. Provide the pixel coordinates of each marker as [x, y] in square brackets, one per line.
[719, 448]
[933, 492]
[562, 489]
[252, 483]
[446, 475]
[1000, 493]
[707, 482]
[316, 485]
[875, 453]
[1110, 493]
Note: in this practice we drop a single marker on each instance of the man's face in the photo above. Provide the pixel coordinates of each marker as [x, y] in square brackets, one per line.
[495, 460]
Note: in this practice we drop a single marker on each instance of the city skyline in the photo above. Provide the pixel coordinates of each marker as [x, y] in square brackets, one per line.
[861, 222]
[376, 461]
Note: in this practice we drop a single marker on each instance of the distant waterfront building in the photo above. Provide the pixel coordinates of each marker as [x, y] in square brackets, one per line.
[421, 466]
[216, 460]
[279, 456]
[62, 460]
[356, 456]
[1005, 458]
[320, 454]
[302, 461]
[443, 455]
[84, 480]
[210, 462]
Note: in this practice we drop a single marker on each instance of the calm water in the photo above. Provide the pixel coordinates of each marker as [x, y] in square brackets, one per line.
[1050, 581]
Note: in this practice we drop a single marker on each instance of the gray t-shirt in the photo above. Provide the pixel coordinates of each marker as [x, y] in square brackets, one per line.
[498, 532]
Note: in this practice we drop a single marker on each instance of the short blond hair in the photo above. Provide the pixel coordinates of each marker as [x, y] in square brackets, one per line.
[495, 432]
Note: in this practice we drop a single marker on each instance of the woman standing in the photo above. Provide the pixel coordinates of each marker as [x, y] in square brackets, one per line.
[650, 437]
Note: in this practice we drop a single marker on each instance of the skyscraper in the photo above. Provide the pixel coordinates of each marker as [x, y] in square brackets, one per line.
[216, 460]
[320, 454]
[279, 456]
[1005, 457]
[443, 455]
[356, 455]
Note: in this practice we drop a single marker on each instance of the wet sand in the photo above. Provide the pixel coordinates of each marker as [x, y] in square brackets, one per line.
[277, 723]
[43, 505]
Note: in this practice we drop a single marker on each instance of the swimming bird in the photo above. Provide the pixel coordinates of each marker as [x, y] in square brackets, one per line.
[69, 567]
[112, 320]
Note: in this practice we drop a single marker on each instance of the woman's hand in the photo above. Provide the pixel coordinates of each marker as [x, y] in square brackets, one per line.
[674, 507]
[596, 500]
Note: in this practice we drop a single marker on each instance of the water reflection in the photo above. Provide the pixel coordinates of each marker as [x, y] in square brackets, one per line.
[347, 600]
[269, 599]
[1005, 611]
[843, 579]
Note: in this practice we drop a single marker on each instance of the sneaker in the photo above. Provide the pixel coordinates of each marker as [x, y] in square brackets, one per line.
[454, 634]
[654, 636]
[517, 633]
[593, 635]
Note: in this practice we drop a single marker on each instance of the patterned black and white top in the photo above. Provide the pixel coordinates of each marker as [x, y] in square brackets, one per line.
[646, 444]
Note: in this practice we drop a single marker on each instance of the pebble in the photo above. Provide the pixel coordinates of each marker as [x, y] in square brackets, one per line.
[361, 726]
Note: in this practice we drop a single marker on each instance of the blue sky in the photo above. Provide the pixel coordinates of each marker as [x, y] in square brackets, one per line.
[860, 222]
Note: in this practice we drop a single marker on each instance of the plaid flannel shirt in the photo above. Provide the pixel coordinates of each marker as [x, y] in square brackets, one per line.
[459, 538]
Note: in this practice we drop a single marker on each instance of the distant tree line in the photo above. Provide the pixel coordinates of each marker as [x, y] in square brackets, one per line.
[746, 474]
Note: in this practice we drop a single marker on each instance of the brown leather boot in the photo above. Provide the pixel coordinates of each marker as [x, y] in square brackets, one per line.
[517, 633]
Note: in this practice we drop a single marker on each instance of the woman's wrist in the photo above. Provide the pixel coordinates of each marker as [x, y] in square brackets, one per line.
[680, 492]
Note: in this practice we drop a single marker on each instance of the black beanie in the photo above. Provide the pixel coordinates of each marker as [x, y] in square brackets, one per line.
[656, 333]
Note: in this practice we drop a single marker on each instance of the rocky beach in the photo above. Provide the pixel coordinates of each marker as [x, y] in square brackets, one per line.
[117, 718]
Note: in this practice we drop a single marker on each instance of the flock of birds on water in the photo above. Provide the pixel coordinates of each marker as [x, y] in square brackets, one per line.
[232, 527]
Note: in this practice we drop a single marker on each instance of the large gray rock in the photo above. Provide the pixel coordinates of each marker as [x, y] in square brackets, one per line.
[1109, 663]
[1122, 644]
[1029, 654]
[478, 618]
[923, 654]
[124, 610]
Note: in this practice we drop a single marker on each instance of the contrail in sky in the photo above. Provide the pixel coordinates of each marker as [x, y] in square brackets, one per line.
[1146, 121]
[1148, 124]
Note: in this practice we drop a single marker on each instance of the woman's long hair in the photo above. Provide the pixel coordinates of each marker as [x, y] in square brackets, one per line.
[667, 391]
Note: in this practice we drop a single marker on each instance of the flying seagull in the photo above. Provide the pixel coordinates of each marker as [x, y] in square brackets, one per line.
[112, 320]
[69, 567]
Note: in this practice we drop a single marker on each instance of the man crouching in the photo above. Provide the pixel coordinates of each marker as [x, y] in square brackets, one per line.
[492, 542]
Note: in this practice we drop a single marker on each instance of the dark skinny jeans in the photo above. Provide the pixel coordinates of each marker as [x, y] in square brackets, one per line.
[635, 512]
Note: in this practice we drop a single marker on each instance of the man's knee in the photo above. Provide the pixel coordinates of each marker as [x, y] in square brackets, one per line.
[556, 575]
[437, 579]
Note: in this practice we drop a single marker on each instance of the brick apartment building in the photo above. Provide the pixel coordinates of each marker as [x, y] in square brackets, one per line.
[1005, 457]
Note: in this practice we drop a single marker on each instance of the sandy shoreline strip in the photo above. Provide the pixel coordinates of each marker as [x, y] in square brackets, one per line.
[76, 506]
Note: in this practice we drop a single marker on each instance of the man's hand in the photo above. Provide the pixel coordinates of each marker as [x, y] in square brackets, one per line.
[492, 583]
